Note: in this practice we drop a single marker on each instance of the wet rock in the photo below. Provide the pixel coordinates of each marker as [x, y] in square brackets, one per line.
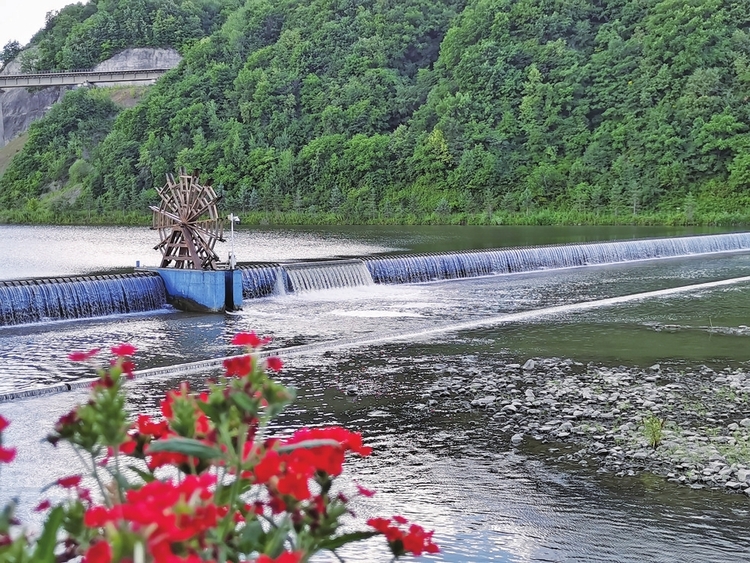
[483, 401]
[529, 365]
[516, 439]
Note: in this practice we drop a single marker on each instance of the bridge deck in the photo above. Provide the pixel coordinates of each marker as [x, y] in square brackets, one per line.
[72, 78]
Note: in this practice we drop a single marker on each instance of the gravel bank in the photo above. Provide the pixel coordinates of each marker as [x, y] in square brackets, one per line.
[691, 426]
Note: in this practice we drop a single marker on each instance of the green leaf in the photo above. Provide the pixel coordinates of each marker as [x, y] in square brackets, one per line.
[145, 475]
[252, 537]
[275, 539]
[338, 541]
[185, 446]
[244, 402]
[309, 444]
[45, 547]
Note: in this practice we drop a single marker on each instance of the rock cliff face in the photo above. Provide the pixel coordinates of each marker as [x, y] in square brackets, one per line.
[19, 108]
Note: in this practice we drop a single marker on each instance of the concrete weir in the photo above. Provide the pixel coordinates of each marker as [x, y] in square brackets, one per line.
[202, 291]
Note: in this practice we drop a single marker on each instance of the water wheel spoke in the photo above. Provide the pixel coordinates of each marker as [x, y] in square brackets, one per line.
[206, 246]
[164, 213]
[205, 207]
[209, 228]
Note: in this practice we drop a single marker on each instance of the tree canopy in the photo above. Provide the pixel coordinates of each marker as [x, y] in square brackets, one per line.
[383, 110]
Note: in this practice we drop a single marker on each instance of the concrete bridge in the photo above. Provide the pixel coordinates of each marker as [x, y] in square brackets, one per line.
[78, 77]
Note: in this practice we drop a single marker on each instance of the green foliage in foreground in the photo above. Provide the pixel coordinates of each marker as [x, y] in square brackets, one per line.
[461, 111]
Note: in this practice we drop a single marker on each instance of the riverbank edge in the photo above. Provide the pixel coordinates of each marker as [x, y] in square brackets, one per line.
[689, 426]
[260, 218]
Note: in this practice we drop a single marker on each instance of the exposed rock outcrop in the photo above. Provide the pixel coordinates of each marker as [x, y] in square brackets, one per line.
[19, 108]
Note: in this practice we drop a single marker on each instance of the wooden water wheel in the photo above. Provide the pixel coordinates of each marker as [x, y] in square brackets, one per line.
[188, 223]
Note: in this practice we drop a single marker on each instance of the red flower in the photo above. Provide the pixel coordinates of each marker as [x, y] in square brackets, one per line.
[44, 505]
[128, 447]
[415, 540]
[124, 350]
[400, 520]
[128, 368]
[274, 363]
[96, 517]
[100, 552]
[364, 492]
[238, 366]
[286, 557]
[69, 482]
[82, 356]
[148, 427]
[7, 454]
[249, 339]
[168, 513]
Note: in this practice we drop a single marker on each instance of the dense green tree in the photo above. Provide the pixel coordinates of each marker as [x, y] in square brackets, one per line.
[382, 110]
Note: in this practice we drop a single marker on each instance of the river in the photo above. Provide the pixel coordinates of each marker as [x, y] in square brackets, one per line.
[371, 351]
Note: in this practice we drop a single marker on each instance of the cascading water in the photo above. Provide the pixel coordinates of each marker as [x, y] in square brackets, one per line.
[265, 280]
[259, 280]
[327, 275]
[52, 299]
[431, 267]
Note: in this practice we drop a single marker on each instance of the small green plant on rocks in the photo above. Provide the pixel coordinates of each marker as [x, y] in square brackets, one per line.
[653, 428]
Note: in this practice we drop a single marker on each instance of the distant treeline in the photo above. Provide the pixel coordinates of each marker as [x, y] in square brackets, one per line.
[408, 111]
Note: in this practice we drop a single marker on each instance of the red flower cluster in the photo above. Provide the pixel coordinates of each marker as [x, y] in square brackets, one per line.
[414, 540]
[238, 366]
[201, 427]
[124, 350]
[168, 514]
[285, 483]
[6, 454]
[250, 339]
[83, 356]
[295, 467]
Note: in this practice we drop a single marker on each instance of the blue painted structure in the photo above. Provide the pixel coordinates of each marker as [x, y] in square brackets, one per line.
[202, 291]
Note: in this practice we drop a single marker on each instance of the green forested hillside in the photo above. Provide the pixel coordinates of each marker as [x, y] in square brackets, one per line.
[464, 110]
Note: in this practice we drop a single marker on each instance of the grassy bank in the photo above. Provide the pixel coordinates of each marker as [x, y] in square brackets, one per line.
[41, 216]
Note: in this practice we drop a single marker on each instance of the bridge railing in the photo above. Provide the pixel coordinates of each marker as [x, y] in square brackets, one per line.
[70, 78]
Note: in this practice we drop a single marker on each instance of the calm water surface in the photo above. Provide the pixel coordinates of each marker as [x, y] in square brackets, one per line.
[453, 472]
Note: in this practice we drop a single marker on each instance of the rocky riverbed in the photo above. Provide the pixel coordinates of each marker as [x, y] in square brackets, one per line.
[691, 426]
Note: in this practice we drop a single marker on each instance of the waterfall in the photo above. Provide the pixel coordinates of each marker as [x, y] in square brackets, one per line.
[309, 276]
[260, 280]
[52, 299]
[415, 268]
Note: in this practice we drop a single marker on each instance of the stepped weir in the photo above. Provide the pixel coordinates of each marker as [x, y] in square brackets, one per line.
[65, 298]
[53, 299]
[416, 268]
[270, 279]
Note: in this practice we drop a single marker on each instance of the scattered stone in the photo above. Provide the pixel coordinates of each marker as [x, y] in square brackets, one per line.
[603, 410]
